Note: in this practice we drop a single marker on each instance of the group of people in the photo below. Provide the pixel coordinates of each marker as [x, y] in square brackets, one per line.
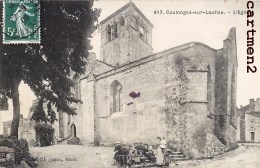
[141, 153]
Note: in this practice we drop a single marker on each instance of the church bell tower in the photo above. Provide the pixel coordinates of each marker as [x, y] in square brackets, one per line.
[126, 36]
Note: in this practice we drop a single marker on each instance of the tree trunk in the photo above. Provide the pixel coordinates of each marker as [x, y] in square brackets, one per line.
[16, 108]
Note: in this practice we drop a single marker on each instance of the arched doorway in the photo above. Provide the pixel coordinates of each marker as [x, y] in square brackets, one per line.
[73, 130]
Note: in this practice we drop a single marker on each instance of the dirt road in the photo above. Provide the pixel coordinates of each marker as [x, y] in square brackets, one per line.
[70, 156]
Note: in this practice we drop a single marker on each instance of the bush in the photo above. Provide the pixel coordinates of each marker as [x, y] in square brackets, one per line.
[44, 134]
[22, 149]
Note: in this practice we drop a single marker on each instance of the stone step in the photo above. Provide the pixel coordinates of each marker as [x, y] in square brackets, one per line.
[177, 156]
[177, 153]
[62, 142]
[177, 159]
[73, 141]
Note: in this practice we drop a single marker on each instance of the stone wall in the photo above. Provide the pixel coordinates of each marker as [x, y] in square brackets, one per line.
[7, 128]
[25, 130]
[226, 81]
[154, 113]
[86, 127]
[252, 126]
[9, 146]
[141, 117]
[248, 122]
[214, 146]
[185, 94]
[238, 131]
[191, 119]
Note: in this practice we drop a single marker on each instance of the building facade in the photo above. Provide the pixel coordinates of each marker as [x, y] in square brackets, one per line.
[249, 122]
[25, 131]
[186, 93]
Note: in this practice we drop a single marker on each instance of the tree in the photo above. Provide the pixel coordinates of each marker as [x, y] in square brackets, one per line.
[66, 27]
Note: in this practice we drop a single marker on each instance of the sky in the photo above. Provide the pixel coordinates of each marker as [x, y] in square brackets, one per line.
[171, 30]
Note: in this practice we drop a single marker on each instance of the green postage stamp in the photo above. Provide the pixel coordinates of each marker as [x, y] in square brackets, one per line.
[21, 21]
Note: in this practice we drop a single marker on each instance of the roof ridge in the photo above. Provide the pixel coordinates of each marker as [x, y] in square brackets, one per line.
[124, 7]
[106, 63]
[159, 54]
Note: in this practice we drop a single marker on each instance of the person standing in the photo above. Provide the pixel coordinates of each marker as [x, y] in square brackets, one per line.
[163, 144]
[159, 153]
[159, 156]
[117, 150]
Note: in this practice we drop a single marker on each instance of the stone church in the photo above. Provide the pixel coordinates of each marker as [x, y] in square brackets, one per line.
[186, 94]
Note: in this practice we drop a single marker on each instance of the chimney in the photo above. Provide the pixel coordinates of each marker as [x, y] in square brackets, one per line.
[251, 101]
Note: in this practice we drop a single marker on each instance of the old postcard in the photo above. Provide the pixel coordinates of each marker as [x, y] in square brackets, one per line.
[130, 83]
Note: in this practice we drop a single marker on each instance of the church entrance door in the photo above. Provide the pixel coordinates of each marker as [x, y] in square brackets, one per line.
[73, 130]
[252, 136]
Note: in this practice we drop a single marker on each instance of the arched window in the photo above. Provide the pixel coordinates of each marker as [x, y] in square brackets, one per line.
[143, 32]
[114, 30]
[209, 90]
[145, 35]
[148, 37]
[108, 33]
[121, 21]
[134, 23]
[117, 97]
